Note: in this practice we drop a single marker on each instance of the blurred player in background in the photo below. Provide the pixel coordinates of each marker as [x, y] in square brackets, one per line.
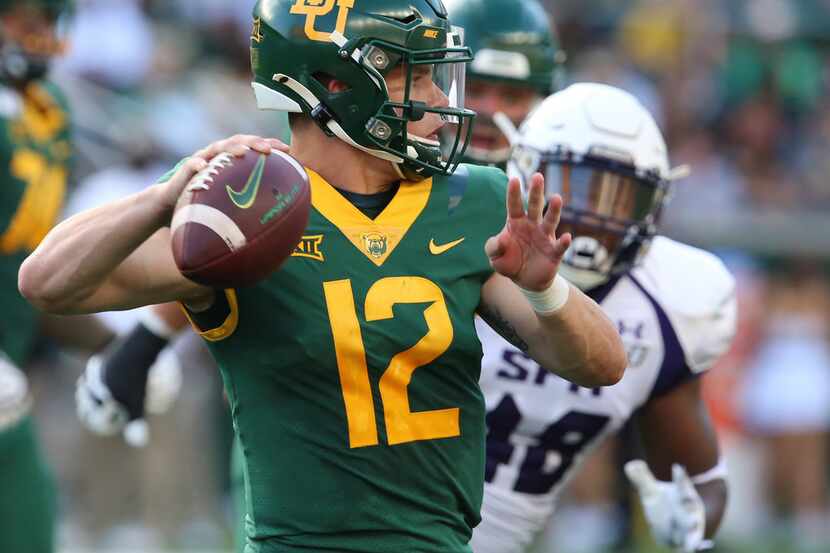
[35, 156]
[675, 309]
[377, 107]
[517, 63]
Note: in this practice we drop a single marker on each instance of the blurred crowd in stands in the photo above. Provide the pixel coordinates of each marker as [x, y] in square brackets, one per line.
[741, 91]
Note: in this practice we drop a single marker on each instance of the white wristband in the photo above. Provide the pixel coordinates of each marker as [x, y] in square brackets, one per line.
[718, 472]
[548, 302]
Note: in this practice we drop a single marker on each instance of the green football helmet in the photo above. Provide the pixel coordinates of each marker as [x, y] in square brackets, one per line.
[511, 41]
[517, 57]
[298, 47]
[22, 62]
[53, 8]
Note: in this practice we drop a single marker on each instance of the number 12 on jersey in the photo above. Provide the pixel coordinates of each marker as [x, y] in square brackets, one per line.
[402, 425]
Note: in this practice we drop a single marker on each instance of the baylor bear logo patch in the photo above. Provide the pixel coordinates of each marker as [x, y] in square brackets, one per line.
[376, 244]
[312, 9]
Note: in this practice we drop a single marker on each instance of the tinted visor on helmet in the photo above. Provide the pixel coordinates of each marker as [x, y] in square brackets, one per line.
[610, 208]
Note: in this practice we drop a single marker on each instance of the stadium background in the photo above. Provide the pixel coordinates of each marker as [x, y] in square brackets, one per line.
[740, 88]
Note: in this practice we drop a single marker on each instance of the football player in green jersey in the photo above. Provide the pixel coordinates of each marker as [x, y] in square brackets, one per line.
[34, 159]
[352, 372]
[34, 151]
[517, 63]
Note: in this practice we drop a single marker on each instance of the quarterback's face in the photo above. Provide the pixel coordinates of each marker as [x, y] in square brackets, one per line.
[422, 89]
[487, 98]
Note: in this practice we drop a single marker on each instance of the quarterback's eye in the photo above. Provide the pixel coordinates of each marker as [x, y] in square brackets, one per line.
[421, 72]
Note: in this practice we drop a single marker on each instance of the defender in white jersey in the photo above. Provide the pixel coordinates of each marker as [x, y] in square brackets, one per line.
[676, 312]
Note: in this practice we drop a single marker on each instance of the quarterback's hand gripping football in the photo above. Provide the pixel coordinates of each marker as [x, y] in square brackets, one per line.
[170, 190]
[104, 414]
[527, 250]
[674, 510]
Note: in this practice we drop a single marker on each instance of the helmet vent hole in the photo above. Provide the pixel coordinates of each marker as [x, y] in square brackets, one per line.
[330, 83]
[409, 19]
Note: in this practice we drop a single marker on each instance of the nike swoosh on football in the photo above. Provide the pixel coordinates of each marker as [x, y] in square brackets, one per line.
[435, 249]
[245, 197]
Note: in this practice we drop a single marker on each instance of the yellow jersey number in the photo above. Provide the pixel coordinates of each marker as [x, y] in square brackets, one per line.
[41, 203]
[402, 425]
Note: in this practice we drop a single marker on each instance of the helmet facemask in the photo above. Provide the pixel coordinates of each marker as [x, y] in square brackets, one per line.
[391, 129]
[495, 131]
[610, 207]
[25, 55]
[422, 128]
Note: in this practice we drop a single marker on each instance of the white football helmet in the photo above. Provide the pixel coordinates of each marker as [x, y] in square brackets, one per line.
[602, 151]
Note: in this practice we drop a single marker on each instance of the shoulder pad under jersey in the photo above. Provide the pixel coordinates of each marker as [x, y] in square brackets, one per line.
[697, 293]
[480, 190]
[487, 180]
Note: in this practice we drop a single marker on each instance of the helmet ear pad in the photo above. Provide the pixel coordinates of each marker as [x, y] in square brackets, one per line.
[296, 59]
[332, 84]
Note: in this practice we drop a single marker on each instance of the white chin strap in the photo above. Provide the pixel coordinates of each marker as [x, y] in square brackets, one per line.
[269, 99]
[501, 155]
[506, 126]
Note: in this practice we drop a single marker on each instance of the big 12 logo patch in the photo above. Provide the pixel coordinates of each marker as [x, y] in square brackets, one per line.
[312, 9]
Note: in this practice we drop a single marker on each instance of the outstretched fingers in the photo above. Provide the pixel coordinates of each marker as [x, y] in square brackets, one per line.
[515, 206]
[238, 146]
[640, 475]
[494, 247]
[561, 246]
[536, 198]
[553, 216]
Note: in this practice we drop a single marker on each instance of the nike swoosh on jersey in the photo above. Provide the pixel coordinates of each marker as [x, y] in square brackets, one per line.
[245, 197]
[435, 249]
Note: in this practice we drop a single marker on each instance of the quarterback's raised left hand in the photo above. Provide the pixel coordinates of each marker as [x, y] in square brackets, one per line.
[674, 510]
[527, 250]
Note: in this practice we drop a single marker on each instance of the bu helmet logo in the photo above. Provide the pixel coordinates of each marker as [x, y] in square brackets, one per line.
[256, 33]
[312, 9]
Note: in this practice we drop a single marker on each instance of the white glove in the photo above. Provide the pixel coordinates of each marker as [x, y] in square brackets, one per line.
[102, 414]
[15, 400]
[164, 382]
[674, 510]
[96, 408]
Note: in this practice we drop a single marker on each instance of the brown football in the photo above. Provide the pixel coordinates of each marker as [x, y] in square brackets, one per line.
[240, 218]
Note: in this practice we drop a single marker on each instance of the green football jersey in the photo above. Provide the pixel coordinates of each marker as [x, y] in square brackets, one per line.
[353, 373]
[35, 155]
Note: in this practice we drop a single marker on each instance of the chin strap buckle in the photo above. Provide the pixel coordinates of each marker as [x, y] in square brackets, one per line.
[322, 116]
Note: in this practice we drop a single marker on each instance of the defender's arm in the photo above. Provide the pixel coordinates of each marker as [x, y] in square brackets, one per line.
[676, 429]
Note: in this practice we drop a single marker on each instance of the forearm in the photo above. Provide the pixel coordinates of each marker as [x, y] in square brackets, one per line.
[78, 255]
[579, 343]
[86, 333]
[714, 495]
[170, 315]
